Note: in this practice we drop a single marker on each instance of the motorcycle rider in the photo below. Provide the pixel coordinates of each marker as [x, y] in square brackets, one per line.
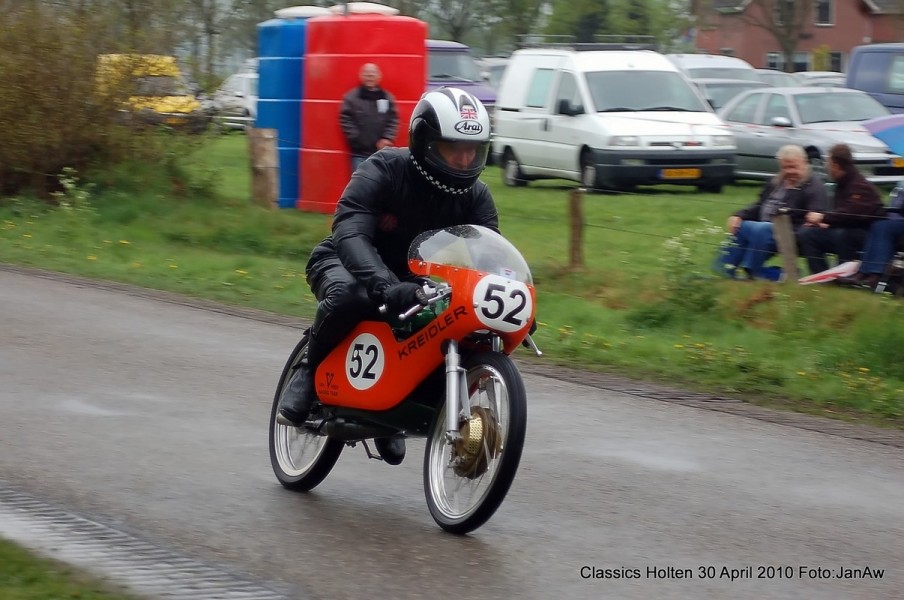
[391, 198]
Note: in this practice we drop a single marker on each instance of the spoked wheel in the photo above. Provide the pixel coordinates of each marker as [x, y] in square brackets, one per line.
[466, 482]
[301, 457]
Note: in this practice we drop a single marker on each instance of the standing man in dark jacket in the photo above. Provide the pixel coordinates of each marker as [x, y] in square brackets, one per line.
[368, 116]
[857, 205]
[795, 189]
[395, 196]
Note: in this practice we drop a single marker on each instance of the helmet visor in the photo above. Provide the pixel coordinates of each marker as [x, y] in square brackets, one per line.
[458, 157]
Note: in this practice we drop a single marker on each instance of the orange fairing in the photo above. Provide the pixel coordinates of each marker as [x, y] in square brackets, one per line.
[372, 370]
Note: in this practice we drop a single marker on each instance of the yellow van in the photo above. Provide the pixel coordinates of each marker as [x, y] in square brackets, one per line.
[150, 90]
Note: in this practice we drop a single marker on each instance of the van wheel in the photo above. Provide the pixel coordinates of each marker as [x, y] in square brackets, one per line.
[512, 175]
[710, 188]
[588, 170]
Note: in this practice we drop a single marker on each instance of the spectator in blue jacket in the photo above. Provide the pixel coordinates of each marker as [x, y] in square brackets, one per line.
[795, 189]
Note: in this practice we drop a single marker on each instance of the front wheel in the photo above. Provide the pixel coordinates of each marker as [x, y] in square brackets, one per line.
[465, 482]
[301, 457]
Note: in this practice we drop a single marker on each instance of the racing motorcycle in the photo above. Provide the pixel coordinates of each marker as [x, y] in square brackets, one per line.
[441, 370]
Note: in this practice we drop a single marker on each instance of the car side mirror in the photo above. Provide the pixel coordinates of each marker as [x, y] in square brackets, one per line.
[780, 122]
[240, 94]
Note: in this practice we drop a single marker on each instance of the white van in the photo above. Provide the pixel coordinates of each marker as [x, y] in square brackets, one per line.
[609, 119]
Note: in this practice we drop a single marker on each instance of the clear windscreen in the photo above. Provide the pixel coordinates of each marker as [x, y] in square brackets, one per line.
[471, 247]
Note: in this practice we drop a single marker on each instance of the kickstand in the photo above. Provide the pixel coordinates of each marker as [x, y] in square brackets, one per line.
[369, 453]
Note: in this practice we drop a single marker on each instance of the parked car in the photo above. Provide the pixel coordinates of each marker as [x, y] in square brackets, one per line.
[878, 70]
[777, 78]
[719, 91]
[235, 102]
[150, 90]
[492, 68]
[713, 66]
[766, 119]
[821, 78]
[451, 64]
[609, 119]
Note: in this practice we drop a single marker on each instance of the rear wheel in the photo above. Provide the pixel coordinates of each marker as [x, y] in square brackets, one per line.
[588, 170]
[301, 457]
[512, 175]
[465, 482]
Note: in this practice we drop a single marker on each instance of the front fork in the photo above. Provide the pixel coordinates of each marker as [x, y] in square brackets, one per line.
[456, 392]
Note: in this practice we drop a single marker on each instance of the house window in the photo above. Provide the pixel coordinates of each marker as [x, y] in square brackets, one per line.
[824, 12]
[775, 60]
[801, 61]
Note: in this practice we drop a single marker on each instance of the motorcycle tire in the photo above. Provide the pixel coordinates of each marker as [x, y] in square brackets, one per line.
[463, 494]
[301, 457]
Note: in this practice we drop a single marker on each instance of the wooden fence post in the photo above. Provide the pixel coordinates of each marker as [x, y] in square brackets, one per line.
[787, 246]
[576, 213]
[264, 166]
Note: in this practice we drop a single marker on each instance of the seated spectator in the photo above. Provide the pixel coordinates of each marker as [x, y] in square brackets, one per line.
[843, 230]
[880, 244]
[794, 188]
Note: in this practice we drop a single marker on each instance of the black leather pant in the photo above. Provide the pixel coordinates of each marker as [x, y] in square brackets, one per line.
[342, 304]
[815, 242]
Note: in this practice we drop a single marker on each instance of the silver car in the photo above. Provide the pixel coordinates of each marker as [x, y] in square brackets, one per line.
[235, 102]
[764, 120]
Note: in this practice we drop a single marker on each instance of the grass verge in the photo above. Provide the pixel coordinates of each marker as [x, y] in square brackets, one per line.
[643, 303]
[26, 576]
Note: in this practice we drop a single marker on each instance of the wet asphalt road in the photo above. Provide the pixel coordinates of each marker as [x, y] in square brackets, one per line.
[152, 416]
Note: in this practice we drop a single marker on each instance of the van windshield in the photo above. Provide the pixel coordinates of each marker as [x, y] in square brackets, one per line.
[453, 66]
[628, 91]
[160, 85]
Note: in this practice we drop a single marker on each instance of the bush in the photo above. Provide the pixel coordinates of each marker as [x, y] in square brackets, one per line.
[51, 115]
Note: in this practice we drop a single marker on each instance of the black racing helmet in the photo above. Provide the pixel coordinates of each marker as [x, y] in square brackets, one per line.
[449, 138]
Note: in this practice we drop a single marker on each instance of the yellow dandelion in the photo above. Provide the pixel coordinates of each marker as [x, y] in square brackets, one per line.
[26, 235]
[125, 242]
[136, 265]
[174, 266]
[241, 272]
[863, 369]
[679, 346]
[91, 257]
[802, 373]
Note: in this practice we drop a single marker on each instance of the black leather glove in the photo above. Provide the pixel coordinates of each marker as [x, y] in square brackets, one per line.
[399, 297]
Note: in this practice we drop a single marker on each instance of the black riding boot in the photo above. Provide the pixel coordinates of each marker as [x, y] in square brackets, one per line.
[299, 394]
[392, 449]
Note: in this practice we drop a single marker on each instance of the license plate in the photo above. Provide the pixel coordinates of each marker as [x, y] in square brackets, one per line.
[680, 174]
[897, 162]
[174, 121]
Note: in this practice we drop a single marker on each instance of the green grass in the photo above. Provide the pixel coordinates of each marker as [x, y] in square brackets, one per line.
[638, 306]
[25, 576]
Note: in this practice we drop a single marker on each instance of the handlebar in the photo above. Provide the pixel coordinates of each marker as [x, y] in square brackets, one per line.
[432, 295]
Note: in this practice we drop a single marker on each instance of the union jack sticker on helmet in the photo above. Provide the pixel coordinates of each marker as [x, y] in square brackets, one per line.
[468, 112]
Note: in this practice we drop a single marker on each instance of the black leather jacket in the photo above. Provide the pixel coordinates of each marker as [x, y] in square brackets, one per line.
[385, 205]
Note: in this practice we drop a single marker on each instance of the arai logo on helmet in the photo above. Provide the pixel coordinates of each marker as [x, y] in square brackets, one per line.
[469, 127]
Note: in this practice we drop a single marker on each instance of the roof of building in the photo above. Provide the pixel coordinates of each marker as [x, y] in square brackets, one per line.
[875, 6]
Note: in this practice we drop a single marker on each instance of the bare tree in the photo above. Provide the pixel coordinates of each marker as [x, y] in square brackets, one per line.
[785, 20]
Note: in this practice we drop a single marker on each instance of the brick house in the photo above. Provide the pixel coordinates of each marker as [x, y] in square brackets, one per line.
[834, 27]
